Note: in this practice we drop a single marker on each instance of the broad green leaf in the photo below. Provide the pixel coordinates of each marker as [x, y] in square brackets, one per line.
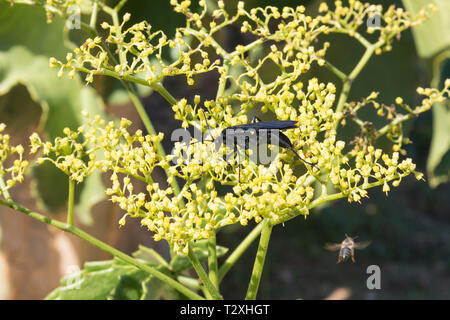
[113, 279]
[26, 25]
[180, 263]
[150, 255]
[92, 286]
[131, 286]
[92, 266]
[97, 281]
[433, 36]
[158, 290]
[439, 170]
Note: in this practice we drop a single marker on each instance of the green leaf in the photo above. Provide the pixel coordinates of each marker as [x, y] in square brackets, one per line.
[432, 40]
[113, 279]
[432, 36]
[180, 263]
[150, 255]
[131, 286]
[158, 290]
[26, 25]
[438, 170]
[92, 193]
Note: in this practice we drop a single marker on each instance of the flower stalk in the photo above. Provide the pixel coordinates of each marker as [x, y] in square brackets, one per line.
[259, 260]
[71, 200]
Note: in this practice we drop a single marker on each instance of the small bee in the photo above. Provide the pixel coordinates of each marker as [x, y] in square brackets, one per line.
[347, 248]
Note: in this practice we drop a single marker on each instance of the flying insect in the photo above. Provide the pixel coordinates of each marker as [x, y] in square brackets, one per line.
[347, 248]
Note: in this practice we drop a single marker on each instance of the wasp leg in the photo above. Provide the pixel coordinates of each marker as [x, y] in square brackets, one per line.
[255, 118]
[239, 163]
[353, 258]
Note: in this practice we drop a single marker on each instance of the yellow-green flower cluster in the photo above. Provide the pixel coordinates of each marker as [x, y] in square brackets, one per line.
[393, 128]
[196, 49]
[389, 23]
[124, 153]
[11, 171]
[264, 192]
[89, 57]
[68, 153]
[145, 48]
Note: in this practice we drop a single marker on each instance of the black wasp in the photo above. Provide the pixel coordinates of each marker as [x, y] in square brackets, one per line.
[259, 131]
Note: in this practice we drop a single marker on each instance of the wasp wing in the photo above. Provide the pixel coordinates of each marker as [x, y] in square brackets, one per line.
[332, 246]
[278, 124]
[362, 245]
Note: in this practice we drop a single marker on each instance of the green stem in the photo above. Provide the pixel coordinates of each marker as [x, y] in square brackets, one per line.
[223, 79]
[212, 261]
[94, 15]
[259, 260]
[120, 5]
[341, 75]
[71, 202]
[103, 246]
[209, 286]
[164, 93]
[115, 18]
[240, 249]
[399, 119]
[352, 76]
[3, 190]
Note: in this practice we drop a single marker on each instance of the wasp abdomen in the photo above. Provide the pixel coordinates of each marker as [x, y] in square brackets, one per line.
[346, 252]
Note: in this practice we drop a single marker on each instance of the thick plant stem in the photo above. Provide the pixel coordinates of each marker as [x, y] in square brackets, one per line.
[209, 286]
[240, 249]
[71, 202]
[105, 247]
[347, 81]
[259, 260]
[212, 262]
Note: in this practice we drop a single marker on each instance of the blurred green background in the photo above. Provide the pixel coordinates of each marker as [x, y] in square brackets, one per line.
[409, 229]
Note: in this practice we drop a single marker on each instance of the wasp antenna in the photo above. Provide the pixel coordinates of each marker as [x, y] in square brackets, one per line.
[207, 125]
[303, 160]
